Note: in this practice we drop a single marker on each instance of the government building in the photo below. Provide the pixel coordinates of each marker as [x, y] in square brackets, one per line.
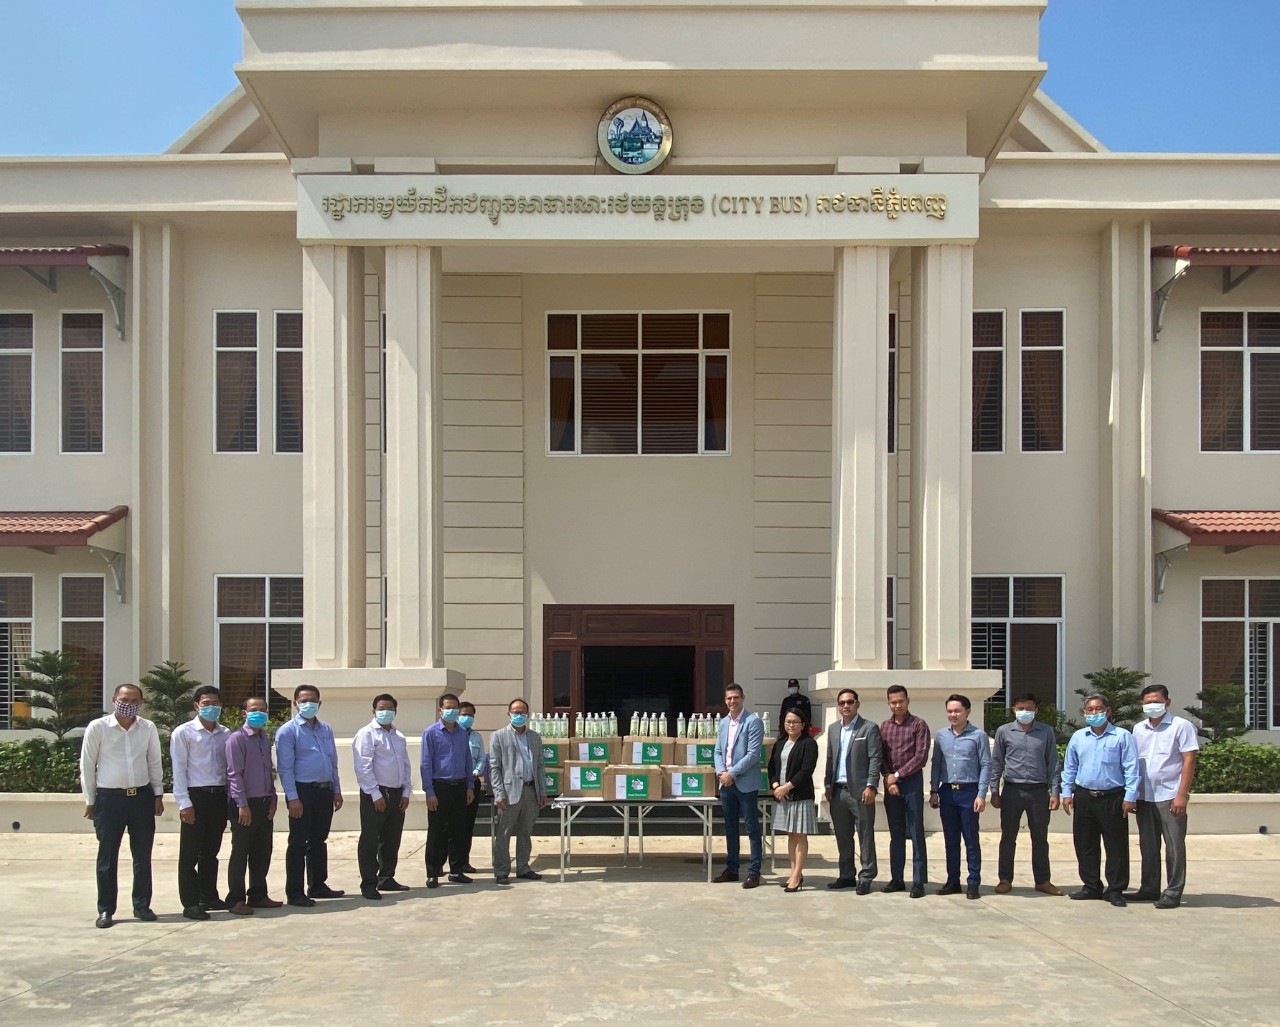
[605, 353]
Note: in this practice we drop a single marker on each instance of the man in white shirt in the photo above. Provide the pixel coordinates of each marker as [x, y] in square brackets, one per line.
[385, 778]
[123, 785]
[198, 751]
[1167, 753]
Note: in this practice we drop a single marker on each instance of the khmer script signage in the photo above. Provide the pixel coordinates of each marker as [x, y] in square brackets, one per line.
[835, 209]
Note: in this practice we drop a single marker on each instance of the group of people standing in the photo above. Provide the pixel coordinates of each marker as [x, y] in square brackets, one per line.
[1107, 774]
[222, 777]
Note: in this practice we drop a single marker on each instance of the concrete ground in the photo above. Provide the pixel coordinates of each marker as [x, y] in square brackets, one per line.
[643, 945]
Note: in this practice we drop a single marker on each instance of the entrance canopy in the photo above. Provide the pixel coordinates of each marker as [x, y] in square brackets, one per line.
[1235, 529]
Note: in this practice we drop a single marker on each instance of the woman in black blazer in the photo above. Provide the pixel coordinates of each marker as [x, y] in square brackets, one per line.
[791, 767]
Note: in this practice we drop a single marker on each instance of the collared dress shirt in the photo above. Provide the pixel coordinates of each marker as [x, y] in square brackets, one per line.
[906, 746]
[249, 767]
[381, 757]
[1160, 751]
[730, 738]
[307, 754]
[1025, 757]
[199, 757]
[113, 757]
[526, 757]
[961, 758]
[1100, 762]
[446, 756]
[846, 740]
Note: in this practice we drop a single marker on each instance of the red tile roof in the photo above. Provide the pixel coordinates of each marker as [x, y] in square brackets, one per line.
[1224, 527]
[55, 528]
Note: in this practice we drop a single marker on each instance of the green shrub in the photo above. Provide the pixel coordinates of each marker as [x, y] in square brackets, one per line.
[39, 765]
[1238, 767]
[1220, 715]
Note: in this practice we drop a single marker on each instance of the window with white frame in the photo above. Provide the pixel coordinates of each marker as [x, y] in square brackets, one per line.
[1239, 381]
[1016, 629]
[258, 629]
[17, 333]
[1240, 642]
[15, 641]
[235, 428]
[638, 383]
[288, 344]
[81, 359]
[988, 381]
[1043, 334]
[82, 623]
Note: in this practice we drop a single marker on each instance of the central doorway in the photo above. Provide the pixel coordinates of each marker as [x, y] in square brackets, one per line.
[627, 679]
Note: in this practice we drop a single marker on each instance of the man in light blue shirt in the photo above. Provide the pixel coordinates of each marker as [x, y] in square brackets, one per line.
[479, 768]
[958, 791]
[307, 760]
[1100, 786]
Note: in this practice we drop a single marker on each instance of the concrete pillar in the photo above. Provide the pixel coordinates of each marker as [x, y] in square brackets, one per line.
[941, 460]
[860, 438]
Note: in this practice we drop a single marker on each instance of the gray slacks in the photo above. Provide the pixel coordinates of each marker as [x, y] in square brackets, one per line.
[1156, 825]
[849, 815]
[519, 818]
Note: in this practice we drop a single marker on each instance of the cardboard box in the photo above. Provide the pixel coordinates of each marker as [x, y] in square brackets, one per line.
[624, 782]
[556, 750]
[648, 752]
[689, 782]
[582, 778]
[553, 776]
[596, 750]
[695, 752]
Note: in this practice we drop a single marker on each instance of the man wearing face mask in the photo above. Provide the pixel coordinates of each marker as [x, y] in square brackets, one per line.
[123, 785]
[1100, 786]
[466, 720]
[795, 700]
[251, 806]
[1167, 752]
[446, 780]
[198, 752]
[308, 760]
[385, 777]
[519, 792]
[1025, 754]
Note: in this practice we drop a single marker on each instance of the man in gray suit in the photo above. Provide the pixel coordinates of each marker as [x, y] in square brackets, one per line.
[519, 792]
[853, 771]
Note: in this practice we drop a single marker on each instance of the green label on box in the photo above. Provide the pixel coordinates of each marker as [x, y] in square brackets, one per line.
[552, 780]
[706, 754]
[637, 786]
[551, 755]
[598, 752]
[584, 779]
[650, 753]
[689, 785]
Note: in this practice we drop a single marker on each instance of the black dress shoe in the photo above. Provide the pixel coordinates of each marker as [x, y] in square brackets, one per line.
[1117, 900]
[917, 891]
[752, 881]
[214, 905]
[971, 892]
[841, 882]
[302, 900]
[504, 882]
[144, 913]
[1168, 902]
[371, 893]
[1141, 896]
[863, 888]
[894, 886]
[433, 882]
[467, 868]
[391, 884]
[104, 920]
[530, 875]
[949, 889]
[1084, 894]
[725, 876]
[327, 893]
[195, 913]
[462, 879]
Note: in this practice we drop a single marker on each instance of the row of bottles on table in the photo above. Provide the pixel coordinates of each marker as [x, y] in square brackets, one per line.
[585, 725]
[641, 725]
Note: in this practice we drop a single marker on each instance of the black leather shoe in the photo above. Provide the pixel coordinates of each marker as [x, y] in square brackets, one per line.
[467, 868]
[1084, 894]
[752, 881]
[371, 893]
[893, 886]
[1141, 896]
[104, 920]
[391, 884]
[863, 888]
[144, 913]
[725, 876]
[971, 892]
[461, 879]
[195, 913]
[917, 891]
[530, 875]
[1117, 900]
[949, 889]
[327, 893]
[841, 882]
[214, 905]
[302, 900]
[433, 882]
[503, 882]
[1168, 902]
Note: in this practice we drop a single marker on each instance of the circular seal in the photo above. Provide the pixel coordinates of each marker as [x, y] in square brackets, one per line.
[634, 136]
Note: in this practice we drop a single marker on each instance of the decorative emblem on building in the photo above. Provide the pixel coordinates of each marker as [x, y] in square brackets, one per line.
[634, 136]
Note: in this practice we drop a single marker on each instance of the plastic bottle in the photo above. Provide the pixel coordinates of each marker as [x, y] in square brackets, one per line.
[764, 717]
[680, 726]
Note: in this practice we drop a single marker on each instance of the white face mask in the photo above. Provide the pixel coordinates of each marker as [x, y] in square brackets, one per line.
[793, 689]
[1153, 709]
[1024, 716]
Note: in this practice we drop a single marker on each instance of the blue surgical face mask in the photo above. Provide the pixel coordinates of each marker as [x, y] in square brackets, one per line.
[1024, 716]
[519, 719]
[1153, 710]
[466, 720]
[210, 713]
[308, 709]
[1095, 719]
[256, 719]
[384, 717]
[449, 716]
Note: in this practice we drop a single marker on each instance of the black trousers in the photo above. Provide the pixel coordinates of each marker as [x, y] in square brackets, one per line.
[378, 851]
[1100, 819]
[473, 811]
[250, 848]
[199, 845]
[308, 841]
[1033, 800]
[447, 828]
[114, 813]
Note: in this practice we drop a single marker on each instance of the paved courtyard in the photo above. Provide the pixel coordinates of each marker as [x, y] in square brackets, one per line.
[643, 945]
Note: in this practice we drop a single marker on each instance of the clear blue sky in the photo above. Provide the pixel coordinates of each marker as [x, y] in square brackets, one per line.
[130, 76]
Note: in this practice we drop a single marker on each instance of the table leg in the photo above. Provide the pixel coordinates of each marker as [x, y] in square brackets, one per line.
[640, 812]
[564, 827]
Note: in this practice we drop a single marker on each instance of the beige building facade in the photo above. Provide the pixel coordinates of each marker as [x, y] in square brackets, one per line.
[385, 378]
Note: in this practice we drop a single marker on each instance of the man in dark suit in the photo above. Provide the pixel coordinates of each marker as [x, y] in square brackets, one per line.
[854, 751]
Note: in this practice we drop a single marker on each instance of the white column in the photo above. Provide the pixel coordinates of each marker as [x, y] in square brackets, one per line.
[413, 483]
[941, 459]
[333, 458]
[859, 444]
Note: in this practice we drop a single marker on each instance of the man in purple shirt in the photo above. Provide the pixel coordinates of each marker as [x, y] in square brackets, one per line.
[446, 780]
[251, 801]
